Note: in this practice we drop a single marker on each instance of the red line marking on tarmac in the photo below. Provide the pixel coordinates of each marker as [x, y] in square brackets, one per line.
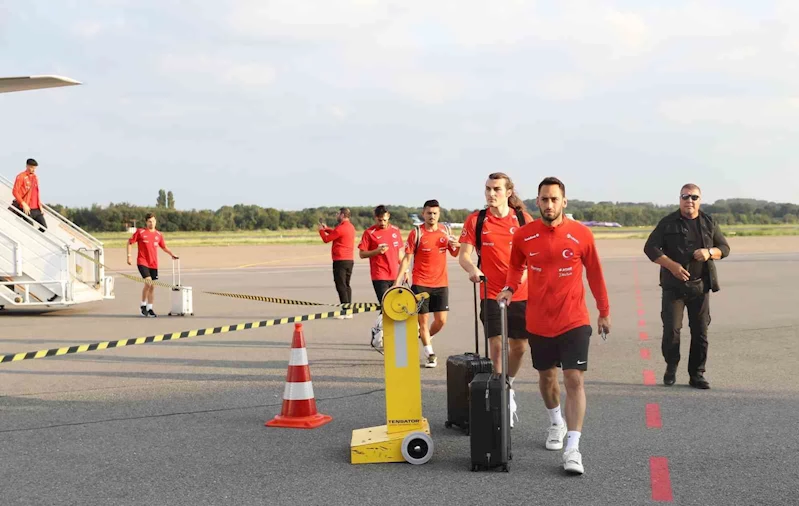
[649, 377]
[643, 336]
[660, 479]
[642, 323]
[645, 353]
[653, 420]
[640, 312]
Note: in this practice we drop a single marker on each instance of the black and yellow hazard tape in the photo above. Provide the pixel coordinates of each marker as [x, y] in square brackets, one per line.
[105, 345]
[243, 296]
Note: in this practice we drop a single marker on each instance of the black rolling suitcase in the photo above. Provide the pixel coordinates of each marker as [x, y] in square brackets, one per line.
[489, 413]
[461, 369]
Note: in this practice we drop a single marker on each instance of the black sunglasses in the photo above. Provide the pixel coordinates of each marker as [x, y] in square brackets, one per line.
[692, 197]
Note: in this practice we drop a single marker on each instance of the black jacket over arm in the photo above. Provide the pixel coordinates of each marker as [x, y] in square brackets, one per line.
[670, 238]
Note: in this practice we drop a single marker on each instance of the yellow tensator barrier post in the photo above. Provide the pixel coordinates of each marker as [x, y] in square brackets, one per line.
[406, 435]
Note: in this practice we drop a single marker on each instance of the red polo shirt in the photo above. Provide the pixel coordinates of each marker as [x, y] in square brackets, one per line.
[148, 243]
[343, 237]
[26, 189]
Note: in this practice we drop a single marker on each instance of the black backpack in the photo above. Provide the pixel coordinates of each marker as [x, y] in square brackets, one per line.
[481, 216]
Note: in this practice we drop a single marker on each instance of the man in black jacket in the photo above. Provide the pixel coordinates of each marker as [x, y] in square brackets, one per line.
[685, 243]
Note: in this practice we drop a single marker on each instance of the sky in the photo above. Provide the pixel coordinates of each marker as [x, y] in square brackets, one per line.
[290, 104]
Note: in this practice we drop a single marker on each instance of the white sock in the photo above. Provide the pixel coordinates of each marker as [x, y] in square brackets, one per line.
[555, 416]
[428, 350]
[149, 306]
[572, 439]
[510, 380]
[144, 303]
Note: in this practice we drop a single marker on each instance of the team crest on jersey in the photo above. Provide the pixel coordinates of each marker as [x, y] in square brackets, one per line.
[568, 253]
[394, 236]
[512, 229]
[442, 240]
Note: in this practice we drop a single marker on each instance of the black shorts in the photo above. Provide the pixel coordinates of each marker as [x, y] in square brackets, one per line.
[568, 350]
[381, 287]
[147, 272]
[516, 319]
[438, 300]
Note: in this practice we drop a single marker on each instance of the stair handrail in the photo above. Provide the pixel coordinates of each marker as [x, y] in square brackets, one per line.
[58, 215]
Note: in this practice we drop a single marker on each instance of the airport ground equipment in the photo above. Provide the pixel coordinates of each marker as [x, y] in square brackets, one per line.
[406, 435]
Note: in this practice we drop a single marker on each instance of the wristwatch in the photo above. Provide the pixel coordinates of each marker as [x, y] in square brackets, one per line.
[507, 289]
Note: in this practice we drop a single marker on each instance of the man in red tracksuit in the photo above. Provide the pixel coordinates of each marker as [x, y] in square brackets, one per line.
[343, 252]
[554, 249]
[26, 193]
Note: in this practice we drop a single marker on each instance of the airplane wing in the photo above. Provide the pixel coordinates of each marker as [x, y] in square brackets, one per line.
[9, 84]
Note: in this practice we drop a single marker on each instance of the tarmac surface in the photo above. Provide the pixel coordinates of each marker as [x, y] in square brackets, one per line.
[183, 422]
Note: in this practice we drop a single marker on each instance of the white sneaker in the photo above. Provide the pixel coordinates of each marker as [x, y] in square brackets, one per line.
[348, 316]
[573, 461]
[377, 340]
[339, 317]
[432, 361]
[555, 436]
[513, 414]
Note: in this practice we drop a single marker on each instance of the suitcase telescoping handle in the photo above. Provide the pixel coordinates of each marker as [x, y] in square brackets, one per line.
[505, 403]
[173, 272]
[476, 317]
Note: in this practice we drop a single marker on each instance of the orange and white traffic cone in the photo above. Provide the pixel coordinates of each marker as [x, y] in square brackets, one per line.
[299, 405]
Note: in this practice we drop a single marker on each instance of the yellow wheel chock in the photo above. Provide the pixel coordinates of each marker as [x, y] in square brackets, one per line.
[406, 435]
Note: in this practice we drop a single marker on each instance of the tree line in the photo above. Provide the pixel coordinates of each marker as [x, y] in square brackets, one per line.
[119, 216]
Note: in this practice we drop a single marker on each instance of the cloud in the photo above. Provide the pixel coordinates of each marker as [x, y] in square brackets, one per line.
[218, 68]
[739, 111]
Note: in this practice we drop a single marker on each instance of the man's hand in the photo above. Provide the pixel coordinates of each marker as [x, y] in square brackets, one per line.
[505, 295]
[476, 275]
[129, 262]
[321, 226]
[453, 243]
[603, 325]
[26, 208]
[381, 249]
[703, 255]
[679, 272]
[175, 257]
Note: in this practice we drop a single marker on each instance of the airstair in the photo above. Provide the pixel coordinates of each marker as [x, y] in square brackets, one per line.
[54, 267]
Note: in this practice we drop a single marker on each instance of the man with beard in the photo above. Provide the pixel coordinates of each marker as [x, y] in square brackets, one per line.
[343, 238]
[427, 247]
[554, 249]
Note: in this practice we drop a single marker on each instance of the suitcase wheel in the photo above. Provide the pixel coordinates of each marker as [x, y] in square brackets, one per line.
[475, 467]
[417, 448]
[505, 468]
[448, 425]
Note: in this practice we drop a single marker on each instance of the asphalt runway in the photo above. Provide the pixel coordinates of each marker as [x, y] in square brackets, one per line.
[183, 422]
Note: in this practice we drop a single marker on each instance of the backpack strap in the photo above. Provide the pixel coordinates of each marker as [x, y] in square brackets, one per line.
[478, 232]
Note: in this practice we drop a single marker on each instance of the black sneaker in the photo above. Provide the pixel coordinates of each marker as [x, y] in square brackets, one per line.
[151, 313]
[144, 310]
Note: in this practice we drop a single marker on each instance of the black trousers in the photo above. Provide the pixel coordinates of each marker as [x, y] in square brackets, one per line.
[673, 308]
[36, 214]
[342, 273]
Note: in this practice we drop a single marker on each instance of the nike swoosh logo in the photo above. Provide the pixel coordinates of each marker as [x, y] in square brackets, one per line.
[581, 363]
[534, 253]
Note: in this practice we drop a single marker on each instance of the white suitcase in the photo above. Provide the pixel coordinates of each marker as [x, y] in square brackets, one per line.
[181, 295]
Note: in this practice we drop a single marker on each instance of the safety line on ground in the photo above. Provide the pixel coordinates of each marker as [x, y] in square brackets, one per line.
[256, 298]
[82, 348]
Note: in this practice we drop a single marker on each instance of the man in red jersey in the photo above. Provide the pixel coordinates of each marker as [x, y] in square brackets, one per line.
[555, 249]
[26, 193]
[504, 215]
[148, 240]
[428, 250]
[381, 243]
[343, 238]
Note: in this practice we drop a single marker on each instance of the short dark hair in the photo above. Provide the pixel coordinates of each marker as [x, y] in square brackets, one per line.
[148, 216]
[690, 186]
[345, 211]
[431, 203]
[31, 162]
[548, 181]
[380, 211]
